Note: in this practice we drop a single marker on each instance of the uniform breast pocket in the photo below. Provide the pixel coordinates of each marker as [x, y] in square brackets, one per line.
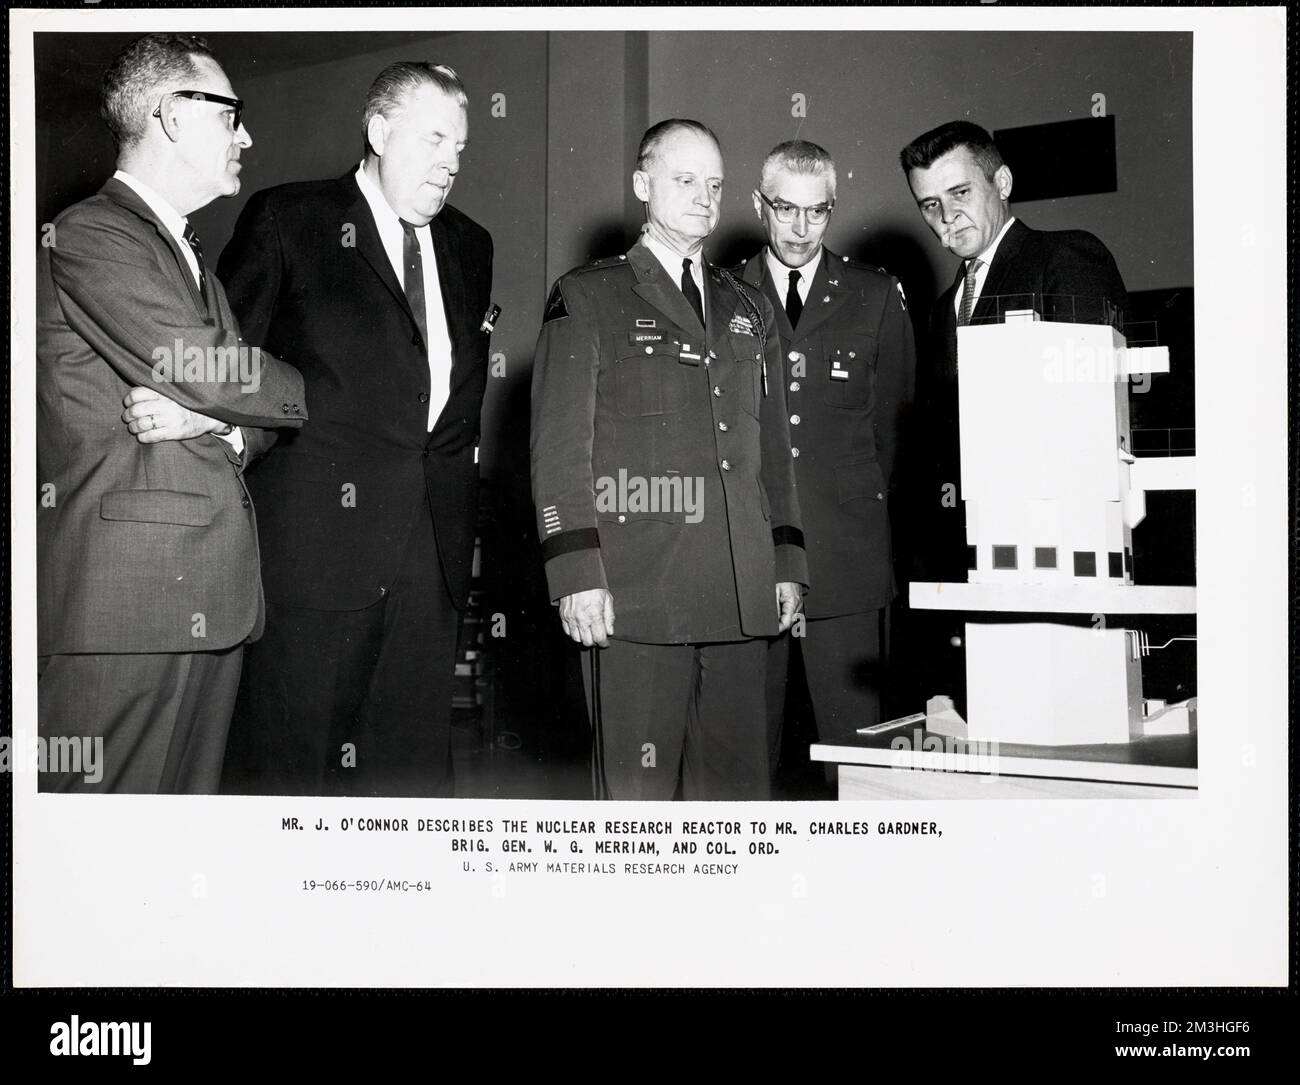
[850, 370]
[749, 372]
[648, 384]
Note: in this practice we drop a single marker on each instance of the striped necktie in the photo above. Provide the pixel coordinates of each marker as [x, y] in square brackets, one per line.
[968, 292]
[192, 240]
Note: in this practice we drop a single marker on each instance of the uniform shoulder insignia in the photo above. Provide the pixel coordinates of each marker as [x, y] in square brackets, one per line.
[862, 265]
[604, 262]
[556, 309]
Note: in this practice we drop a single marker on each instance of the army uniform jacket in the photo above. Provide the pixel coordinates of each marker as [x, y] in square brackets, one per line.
[850, 373]
[660, 469]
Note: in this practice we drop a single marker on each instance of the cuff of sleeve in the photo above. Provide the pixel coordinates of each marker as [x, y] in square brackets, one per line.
[792, 564]
[573, 562]
[235, 439]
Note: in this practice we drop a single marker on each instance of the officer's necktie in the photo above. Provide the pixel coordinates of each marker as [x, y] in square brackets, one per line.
[413, 279]
[692, 291]
[192, 240]
[793, 302]
[968, 292]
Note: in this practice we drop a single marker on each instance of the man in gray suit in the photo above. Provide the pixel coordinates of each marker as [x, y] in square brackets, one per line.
[148, 581]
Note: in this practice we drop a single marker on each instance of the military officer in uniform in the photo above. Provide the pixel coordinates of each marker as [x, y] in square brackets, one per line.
[850, 369]
[663, 478]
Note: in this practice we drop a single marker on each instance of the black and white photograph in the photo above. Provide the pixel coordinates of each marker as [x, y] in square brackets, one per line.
[494, 464]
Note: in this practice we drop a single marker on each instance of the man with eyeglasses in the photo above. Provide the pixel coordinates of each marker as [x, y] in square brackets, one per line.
[664, 487]
[850, 366]
[379, 290]
[147, 564]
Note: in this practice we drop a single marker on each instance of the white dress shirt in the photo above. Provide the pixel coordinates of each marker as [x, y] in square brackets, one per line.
[781, 274]
[982, 272]
[671, 260]
[392, 236]
[175, 223]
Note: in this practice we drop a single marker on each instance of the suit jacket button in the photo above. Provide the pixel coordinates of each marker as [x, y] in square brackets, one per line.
[795, 453]
[722, 426]
[794, 420]
[415, 340]
[285, 408]
[725, 465]
[716, 390]
[794, 386]
[795, 356]
[245, 502]
[424, 397]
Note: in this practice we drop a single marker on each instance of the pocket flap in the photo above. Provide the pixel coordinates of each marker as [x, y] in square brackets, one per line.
[157, 507]
[860, 478]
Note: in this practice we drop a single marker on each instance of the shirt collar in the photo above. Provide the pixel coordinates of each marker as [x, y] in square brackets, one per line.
[781, 273]
[385, 217]
[167, 214]
[670, 258]
[986, 257]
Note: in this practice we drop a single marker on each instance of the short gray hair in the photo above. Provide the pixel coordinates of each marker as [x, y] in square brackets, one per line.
[388, 93]
[657, 133]
[140, 75]
[799, 156]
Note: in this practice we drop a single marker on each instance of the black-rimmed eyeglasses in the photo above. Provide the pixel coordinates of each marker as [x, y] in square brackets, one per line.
[785, 212]
[236, 104]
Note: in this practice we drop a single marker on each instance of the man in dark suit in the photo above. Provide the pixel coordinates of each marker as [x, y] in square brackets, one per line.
[850, 359]
[663, 479]
[378, 289]
[147, 546]
[963, 190]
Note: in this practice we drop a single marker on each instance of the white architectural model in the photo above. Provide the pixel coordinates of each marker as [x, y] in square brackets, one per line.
[1052, 495]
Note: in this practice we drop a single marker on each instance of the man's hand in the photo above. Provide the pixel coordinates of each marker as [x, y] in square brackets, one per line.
[152, 417]
[789, 601]
[588, 617]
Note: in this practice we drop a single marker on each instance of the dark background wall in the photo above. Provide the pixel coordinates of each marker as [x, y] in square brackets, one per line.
[554, 123]
[555, 118]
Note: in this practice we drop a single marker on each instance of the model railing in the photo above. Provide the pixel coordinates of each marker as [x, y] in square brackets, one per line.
[1057, 308]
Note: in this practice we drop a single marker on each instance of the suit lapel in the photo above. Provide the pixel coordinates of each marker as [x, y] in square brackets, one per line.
[450, 280]
[756, 271]
[654, 286]
[369, 247]
[126, 196]
[825, 296]
[1008, 249]
[721, 306]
